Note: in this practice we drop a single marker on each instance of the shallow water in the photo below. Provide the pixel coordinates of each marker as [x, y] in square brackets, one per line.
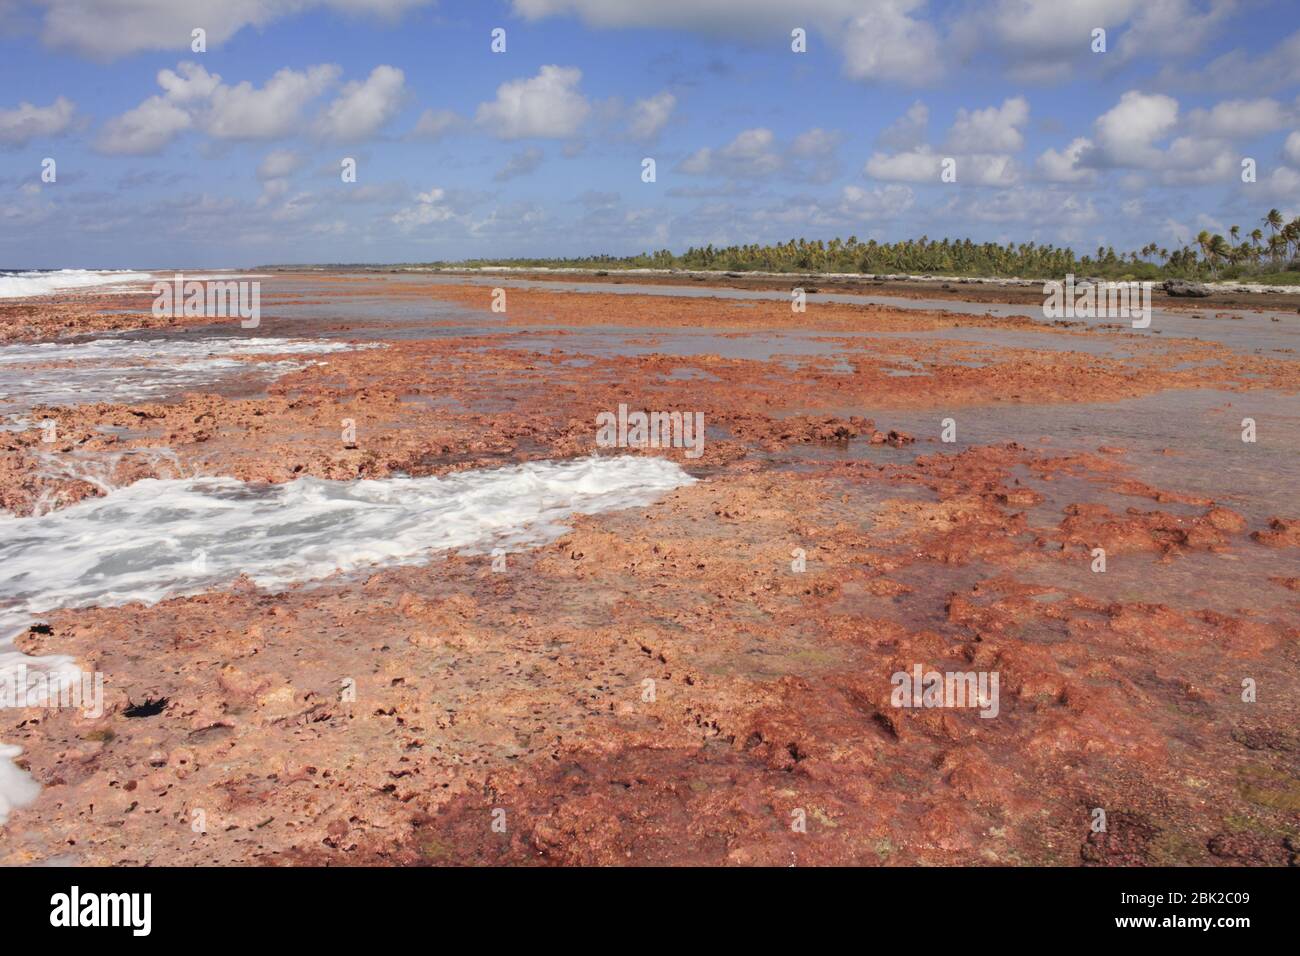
[129, 368]
[1242, 330]
[156, 539]
[1186, 441]
[193, 533]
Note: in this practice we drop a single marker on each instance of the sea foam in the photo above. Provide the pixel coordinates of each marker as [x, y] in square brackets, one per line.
[14, 285]
[156, 538]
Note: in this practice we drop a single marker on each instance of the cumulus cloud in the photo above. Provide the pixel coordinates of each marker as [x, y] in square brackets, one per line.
[435, 124]
[1245, 71]
[903, 42]
[1044, 41]
[244, 111]
[107, 29]
[888, 44]
[1233, 119]
[979, 141]
[1127, 133]
[26, 122]
[1138, 134]
[1291, 148]
[546, 106]
[816, 142]
[914, 165]
[992, 130]
[145, 129]
[1064, 166]
[363, 107]
[194, 98]
[909, 130]
[751, 153]
[1282, 184]
[278, 164]
[429, 207]
[881, 203]
[878, 40]
[651, 115]
[755, 153]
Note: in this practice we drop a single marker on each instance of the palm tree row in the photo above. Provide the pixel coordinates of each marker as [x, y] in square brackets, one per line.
[1212, 256]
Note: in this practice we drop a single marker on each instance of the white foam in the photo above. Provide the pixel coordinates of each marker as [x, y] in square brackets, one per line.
[140, 542]
[160, 538]
[14, 285]
[138, 369]
[17, 788]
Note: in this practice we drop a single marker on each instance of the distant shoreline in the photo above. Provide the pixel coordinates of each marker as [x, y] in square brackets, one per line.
[1012, 290]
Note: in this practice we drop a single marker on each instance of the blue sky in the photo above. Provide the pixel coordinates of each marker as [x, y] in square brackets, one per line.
[166, 157]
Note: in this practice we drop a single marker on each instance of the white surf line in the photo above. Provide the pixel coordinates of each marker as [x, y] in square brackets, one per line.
[156, 538]
[118, 369]
[22, 285]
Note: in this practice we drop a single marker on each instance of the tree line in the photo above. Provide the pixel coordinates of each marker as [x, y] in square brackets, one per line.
[1268, 251]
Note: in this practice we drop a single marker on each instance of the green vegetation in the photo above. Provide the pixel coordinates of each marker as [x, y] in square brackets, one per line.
[1266, 254]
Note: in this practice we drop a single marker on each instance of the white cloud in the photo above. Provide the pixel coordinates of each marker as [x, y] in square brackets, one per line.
[651, 115]
[1283, 184]
[1291, 149]
[1064, 166]
[887, 44]
[816, 143]
[546, 106]
[752, 153]
[879, 40]
[1045, 41]
[1192, 160]
[992, 130]
[107, 29]
[909, 130]
[1126, 134]
[1234, 119]
[886, 202]
[979, 141]
[363, 107]
[278, 164]
[192, 84]
[756, 153]
[245, 112]
[1023, 204]
[1242, 70]
[924, 165]
[430, 207]
[194, 98]
[435, 124]
[26, 122]
[917, 165]
[145, 129]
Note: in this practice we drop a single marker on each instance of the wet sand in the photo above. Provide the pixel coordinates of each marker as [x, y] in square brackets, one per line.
[672, 684]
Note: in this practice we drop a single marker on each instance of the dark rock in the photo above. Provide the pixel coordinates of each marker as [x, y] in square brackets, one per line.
[150, 707]
[1181, 288]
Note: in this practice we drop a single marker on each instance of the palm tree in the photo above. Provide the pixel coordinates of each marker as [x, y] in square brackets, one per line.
[1274, 221]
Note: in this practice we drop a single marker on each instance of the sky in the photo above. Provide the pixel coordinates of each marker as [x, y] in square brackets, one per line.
[165, 156]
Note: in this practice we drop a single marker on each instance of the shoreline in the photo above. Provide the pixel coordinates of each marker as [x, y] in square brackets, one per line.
[832, 538]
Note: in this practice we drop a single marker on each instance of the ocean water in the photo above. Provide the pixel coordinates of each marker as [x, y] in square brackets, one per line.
[129, 368]
[18, 285]
[189, 535]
